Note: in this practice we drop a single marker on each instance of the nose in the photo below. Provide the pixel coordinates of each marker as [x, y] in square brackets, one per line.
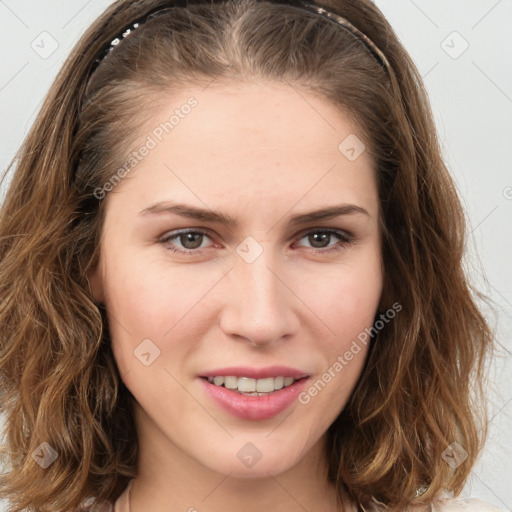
[258, 306]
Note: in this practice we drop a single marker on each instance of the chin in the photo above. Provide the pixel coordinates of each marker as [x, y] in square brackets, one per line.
[255, 459]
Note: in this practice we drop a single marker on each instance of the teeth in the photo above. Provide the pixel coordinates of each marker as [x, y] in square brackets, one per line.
[252, 387]
[230, 382]
[247, 385]
[218, 381]
[265, 385]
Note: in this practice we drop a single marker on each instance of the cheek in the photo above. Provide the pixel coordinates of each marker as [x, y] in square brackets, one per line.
[347, 307]
[346, 299]
[149, 296]
[149, 299]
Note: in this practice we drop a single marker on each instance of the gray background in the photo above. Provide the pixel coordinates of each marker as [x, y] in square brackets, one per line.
[471, 94]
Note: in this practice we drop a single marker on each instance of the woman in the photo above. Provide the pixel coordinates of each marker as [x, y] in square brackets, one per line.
[231, 272]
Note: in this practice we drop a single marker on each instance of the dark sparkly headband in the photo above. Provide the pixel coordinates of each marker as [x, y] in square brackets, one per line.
[311, 7]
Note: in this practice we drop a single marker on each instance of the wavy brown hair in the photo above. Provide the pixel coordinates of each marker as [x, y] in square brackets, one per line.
[59, 380]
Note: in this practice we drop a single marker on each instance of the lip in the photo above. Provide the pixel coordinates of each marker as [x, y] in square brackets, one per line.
[253, 407]
[256, 373]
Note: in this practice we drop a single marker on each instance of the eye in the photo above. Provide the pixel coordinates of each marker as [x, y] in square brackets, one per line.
[318, 238]
[191, 240]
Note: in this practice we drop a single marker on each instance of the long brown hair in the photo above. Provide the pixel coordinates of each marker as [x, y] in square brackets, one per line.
[59, 380]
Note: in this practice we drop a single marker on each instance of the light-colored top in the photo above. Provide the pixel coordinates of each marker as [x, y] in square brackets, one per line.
[462, 505]
[442, 504]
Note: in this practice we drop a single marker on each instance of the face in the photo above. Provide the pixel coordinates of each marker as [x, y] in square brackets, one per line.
[273, 295]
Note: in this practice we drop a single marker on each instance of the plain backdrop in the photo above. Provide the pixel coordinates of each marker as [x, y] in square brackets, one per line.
[463, 50]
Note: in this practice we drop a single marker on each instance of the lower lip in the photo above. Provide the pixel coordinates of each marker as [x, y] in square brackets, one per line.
[254, 407]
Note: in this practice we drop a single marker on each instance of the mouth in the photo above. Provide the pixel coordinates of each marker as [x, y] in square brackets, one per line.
[254, 394]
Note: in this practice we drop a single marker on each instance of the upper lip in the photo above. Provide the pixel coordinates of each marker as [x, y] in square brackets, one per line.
[256, 373]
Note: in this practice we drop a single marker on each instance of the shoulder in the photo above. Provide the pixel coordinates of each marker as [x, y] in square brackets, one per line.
[463, 505]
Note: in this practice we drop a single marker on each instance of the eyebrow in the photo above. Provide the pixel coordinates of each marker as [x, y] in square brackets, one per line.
[205, 215]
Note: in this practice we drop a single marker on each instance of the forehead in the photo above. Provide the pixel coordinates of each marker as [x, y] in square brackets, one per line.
[279, 113]
[254, 140]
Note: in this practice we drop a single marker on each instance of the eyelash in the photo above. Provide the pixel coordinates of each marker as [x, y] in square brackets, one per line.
[343, 237]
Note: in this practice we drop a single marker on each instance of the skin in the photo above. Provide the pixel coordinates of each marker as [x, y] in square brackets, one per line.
[261, 153]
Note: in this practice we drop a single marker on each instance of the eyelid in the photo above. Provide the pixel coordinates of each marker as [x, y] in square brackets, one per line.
[306, 231]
